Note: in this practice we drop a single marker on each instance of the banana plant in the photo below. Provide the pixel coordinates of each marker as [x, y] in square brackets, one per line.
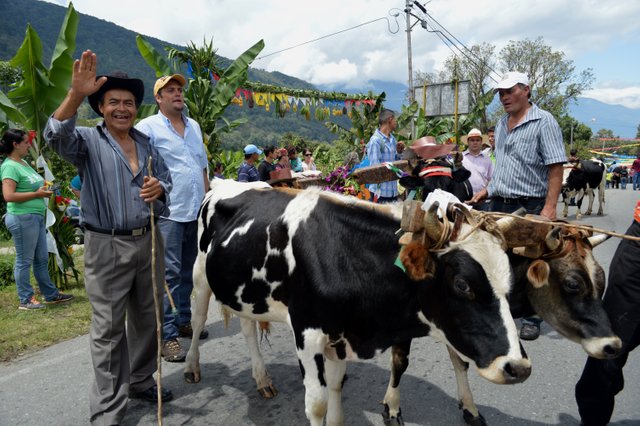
[205, 101]
[42, 88]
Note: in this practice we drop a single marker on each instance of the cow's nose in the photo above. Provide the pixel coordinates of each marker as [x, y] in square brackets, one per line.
[516, 372]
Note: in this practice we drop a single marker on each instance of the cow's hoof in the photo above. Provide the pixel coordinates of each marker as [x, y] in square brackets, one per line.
[392, 421]
[192, 377]
[268, 392]
[473, 421]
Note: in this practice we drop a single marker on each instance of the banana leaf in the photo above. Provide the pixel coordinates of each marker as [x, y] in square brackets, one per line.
[151, 56]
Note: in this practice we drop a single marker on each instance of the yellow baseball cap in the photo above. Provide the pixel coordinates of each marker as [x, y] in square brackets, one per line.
[162, 81]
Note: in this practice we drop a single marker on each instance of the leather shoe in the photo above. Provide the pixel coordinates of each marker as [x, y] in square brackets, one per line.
[187, 331]
[529, 332]
[151, 394]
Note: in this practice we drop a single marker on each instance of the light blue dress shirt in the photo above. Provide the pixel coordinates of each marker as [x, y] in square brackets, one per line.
[186, 158]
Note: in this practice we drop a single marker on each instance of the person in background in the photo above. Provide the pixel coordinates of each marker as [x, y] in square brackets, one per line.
[27, 200]
[117, 191]
[296, 164]
[383, 147]
[480, 166]
[247, 171]
[635, 167]
[624, 177]
[266, 165]
[307, 163]
[490, 144]
[529, 157]
[603, 379]
[178, 139]
[76, 186]
[218, 170]
[283, 159]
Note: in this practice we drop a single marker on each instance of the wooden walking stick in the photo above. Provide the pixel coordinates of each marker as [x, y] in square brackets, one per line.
[156, 301]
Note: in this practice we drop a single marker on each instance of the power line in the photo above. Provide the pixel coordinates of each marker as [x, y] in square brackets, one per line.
[336, 33]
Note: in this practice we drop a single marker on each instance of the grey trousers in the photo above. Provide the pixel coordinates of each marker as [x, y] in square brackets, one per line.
[118, 282]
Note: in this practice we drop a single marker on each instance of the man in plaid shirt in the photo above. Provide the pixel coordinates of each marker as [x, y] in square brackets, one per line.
[383, 147]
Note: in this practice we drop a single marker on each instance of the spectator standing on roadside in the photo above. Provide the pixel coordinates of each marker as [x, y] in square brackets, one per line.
[266, 165]
[27, 199]
[178, 139]
[247, 171]
[112, 159]
[529, 158]
[383, 147]
[636, 172]
[296, 164]
[479, 164]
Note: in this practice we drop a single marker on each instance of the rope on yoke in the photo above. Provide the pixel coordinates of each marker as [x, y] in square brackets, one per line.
[156, 302]
[587, 228]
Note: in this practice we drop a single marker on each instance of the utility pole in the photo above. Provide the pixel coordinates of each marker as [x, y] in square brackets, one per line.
[407, 11]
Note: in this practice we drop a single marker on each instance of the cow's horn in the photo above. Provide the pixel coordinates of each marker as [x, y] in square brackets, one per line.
[598, 239]
[433, 227]
[553, 238]
[508, 222]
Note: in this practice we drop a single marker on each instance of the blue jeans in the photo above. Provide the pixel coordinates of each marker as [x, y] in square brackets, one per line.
[30, 240]
[181, 249]
[636, 181]
[623, 182]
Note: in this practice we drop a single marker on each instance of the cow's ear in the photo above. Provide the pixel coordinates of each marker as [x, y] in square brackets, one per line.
[417, 261]
[538, 273]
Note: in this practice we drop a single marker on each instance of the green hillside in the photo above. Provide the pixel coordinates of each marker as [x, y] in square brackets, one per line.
[116, 49]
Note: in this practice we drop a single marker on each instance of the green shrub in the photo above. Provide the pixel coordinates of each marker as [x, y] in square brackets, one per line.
[6, 270]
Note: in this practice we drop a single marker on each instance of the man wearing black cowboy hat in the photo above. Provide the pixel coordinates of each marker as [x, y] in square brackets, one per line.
[112, 161]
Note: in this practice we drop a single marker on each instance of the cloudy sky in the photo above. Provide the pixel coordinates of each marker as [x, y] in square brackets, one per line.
[603, 35]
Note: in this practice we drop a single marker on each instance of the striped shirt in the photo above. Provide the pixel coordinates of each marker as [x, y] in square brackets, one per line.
[524, 154]
[110, 194]
[381, 149]
[248, 173]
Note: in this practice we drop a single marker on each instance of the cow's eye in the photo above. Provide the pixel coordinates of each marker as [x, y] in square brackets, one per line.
[462, 288]
[572, 286]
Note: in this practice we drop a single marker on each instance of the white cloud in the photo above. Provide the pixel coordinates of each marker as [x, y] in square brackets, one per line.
[592, 33]
[628, 96]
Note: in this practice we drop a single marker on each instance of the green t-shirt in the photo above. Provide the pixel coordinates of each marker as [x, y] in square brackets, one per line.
[27, 180]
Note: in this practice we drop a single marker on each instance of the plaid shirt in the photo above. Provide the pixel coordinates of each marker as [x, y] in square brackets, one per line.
[382, 149]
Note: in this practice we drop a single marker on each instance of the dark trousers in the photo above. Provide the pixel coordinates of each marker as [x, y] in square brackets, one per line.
[510, 205]
[602, 380]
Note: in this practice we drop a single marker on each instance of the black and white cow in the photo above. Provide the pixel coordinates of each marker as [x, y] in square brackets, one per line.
[584, 178]
[327, 266]
[558, 279]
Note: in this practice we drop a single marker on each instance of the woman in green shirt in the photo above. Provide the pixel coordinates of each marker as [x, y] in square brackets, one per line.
[27, 198]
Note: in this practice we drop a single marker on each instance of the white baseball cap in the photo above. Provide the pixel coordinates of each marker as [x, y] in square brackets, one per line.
[512, 78]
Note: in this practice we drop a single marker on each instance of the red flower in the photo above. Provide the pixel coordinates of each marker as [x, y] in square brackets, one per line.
[65, 219]
[59, 199]
[32, 135]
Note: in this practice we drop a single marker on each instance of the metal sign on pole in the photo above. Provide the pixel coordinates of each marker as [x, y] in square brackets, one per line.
[440, 99]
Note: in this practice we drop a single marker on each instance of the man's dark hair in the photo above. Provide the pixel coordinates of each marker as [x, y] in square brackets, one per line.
[268, 150]
[491, 129]
[385, 115]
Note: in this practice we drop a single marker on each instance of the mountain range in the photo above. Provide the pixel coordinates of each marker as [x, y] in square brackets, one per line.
[118, 50]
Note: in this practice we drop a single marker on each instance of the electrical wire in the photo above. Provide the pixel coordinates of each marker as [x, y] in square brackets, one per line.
[339, 32]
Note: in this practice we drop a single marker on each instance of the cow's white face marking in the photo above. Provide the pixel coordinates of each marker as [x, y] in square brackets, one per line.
[592, 267]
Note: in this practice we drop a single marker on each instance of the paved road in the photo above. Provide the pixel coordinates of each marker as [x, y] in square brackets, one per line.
[50, 387]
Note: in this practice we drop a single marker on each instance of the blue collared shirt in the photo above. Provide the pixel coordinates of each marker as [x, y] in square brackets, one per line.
[110, 192]
[248, 173]
[382, 149]
[524, 154]
[186, 158]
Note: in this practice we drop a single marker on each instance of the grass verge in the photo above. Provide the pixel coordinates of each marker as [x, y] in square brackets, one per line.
[22, 332]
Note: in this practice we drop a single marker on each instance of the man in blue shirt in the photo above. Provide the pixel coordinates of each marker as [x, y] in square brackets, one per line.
[179, 141]
[383, 147]
[247, 171]
[529, 156]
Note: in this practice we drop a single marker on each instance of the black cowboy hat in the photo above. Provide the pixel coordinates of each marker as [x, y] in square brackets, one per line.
[117, 80]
